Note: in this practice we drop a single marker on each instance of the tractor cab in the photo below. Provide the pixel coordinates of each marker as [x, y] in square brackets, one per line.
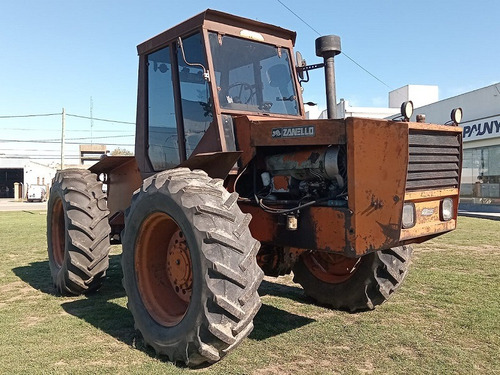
[196, 77]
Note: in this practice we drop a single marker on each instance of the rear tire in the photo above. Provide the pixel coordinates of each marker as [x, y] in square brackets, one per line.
[77, 232]
[189, 267]
[365, 283]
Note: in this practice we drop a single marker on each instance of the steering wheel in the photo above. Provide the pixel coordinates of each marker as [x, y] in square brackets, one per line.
[246, 91]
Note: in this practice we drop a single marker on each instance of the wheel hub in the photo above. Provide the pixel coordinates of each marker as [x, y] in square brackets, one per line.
[179, 266]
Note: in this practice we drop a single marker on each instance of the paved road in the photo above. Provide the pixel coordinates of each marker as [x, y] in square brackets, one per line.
[8, 204]
[480, 215]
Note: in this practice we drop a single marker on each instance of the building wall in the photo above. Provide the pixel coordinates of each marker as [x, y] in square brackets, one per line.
[344, 110]
[420, 95]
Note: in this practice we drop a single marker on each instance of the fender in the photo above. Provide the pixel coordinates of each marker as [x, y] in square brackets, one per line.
[122, 177]
[216, 164]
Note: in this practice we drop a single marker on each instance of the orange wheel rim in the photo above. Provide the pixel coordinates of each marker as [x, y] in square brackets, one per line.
[330, 268]
[58, 232]
[163, 269]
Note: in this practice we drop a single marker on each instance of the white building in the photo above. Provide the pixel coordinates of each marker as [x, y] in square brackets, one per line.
[24, 172]
[420, 95]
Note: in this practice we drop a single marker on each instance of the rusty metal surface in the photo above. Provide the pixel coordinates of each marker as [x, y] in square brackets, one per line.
[319, 228]
[217, 21]
[427, 209]
[434, 160]
[430, 194]
[434, 171]
[297, 132]
[255, 131]
[123, 178]
[216, 164]
[377, 159]
[109, 163]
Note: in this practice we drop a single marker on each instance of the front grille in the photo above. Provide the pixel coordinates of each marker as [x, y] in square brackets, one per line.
[434, 160]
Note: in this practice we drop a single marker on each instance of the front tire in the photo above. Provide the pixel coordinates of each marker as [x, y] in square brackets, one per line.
[77, 232]
[189, 267]
[353, 284]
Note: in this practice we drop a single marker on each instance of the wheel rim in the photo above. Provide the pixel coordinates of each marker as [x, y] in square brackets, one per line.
[163, 269]
[58, 233]
[330, 268]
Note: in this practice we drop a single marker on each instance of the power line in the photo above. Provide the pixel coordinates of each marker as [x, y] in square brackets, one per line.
[343, 52]
[70, 115]
[299, 17]
[70, 131]
[31, 157]
[36, 115]
[100, 119]
[373, 75]
[58, 140]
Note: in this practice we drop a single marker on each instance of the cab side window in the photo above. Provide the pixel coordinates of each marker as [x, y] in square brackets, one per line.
[163, 140]
[195, 92]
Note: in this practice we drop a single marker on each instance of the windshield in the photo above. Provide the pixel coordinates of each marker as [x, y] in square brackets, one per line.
[253, 76]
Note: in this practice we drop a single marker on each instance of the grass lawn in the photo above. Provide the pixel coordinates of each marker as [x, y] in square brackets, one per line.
[445, 319]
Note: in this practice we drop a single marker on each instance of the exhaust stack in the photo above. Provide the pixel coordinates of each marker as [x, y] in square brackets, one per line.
[328, 47]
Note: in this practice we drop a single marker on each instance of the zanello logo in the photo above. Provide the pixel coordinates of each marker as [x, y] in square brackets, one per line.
[294, 132]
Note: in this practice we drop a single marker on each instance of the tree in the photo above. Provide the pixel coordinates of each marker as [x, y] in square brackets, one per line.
[121, 152]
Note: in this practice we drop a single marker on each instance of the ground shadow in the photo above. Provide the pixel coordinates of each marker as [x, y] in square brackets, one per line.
[37, 275]
[99, 310]
[271, 321]
[292, 292]
[107, 316]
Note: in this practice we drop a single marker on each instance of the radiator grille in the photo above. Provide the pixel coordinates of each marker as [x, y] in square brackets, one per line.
[434, 160]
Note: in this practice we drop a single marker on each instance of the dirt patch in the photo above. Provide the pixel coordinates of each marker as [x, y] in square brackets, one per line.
[301, 365]
[18, 287]
[366, 367]
[31, 321]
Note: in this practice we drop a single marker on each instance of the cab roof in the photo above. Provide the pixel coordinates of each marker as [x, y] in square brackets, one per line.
[217, 21]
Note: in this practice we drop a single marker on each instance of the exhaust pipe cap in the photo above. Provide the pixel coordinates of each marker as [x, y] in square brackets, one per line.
[328, 45]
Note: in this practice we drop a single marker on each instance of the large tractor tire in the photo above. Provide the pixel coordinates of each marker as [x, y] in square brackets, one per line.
[189, 267]
[77, 232]
[353, 284]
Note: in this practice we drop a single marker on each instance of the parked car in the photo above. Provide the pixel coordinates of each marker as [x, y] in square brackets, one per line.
[37, 193]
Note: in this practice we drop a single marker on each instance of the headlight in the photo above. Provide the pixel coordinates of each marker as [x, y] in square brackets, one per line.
[408, 215]
[456, 115]
[407, 110]
[447, 209]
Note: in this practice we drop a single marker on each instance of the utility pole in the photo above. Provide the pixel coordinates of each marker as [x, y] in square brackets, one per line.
[62, 137]
[91, 120]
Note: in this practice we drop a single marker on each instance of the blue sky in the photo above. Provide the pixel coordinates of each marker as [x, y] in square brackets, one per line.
[57, 54]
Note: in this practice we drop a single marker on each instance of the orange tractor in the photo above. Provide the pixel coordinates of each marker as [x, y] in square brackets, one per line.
[230, 181]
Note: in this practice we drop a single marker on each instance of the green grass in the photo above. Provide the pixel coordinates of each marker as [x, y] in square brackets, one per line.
[444, 319]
